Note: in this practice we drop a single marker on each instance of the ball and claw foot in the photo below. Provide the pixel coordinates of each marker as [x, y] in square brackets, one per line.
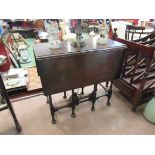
[108, 104]
[53, 121]
[92, 108]
[73, 115]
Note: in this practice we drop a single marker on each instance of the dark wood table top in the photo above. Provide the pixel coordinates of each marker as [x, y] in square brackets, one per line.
[69, 68]
[42, 49]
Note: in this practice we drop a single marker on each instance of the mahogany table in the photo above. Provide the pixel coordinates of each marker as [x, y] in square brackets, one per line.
[69, 68]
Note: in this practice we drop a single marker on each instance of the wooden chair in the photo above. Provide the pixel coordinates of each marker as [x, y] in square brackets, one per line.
[132, 31]
[137, 80]
[148, 40]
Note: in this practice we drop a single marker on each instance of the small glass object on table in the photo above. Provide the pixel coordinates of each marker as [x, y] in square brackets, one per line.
[53, 39]
[103, 36]
[53, 34]
[78, 42]
[24, 56]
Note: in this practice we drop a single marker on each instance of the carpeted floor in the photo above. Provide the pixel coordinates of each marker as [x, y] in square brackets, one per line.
[34, 116]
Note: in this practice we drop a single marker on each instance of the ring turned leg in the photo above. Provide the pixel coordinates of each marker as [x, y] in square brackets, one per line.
[65, 96]
[109, 95]
[93, 105]
[73, 115]
[82, 91]
[52, 110]
[107, 84]
[93, 98]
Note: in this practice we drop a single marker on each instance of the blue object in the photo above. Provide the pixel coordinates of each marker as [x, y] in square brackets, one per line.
[1, 30]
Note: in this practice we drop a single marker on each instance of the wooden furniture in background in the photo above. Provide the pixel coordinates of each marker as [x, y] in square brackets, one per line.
[23, 27]
[69, 68]
[149, 40]
[133, 31]
[133, 21]
[137, 81]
